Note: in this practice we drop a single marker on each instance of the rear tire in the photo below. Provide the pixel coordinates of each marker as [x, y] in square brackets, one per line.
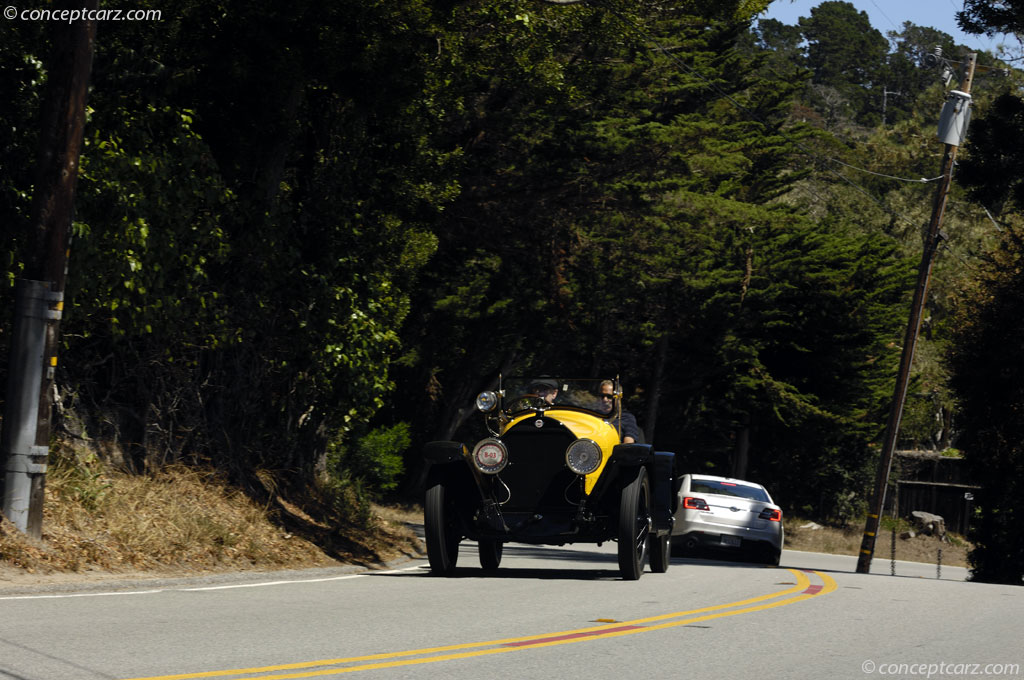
[440, 524]
[661, 551]
[490, 553]
[634, 526]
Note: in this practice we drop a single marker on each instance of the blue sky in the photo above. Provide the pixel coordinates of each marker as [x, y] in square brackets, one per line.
[889, 15]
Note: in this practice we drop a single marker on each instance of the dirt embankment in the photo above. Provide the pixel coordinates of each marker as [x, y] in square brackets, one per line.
[100, 523]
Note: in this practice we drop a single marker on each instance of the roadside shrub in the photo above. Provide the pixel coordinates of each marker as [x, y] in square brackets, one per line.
[372, 462]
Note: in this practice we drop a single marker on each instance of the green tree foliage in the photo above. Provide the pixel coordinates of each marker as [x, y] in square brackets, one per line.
[22, 74]
[986, 378]
[984, 16]
[908, 74]
[992, 172]
[330, 227]
[252, 214]
[642, 243]
[526, 76]
[374, 458]
[307, 235]
[988, 384]
[149, 235]
[889, 203]
[849, 58]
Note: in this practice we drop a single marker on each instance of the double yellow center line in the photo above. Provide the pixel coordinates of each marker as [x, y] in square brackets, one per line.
[802, 590]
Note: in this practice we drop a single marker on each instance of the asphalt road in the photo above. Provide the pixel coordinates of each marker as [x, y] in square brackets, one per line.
[547, 613]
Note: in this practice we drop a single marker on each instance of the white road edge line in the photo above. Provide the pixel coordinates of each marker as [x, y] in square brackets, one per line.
[65, 595]
[261, 584]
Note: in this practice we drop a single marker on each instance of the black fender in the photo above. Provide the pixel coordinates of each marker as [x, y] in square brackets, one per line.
[446, 465]
[621, 467]
[661, 470]
[631, 455]
[447, 461]
[444, 452]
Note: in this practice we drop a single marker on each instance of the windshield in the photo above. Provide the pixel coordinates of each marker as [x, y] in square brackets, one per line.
[550, 392]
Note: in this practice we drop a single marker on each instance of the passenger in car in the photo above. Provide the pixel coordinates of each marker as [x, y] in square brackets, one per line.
[629, 430]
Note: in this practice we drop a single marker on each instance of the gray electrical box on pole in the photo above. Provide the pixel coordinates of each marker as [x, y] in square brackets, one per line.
[955, 117]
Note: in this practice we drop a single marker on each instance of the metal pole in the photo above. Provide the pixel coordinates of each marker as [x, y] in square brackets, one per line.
[24, 458]
[892, 427]
[892, 555]
[895, 523]
[26, 437]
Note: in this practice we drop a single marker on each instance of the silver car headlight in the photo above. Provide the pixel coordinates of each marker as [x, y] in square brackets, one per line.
[490, 456]
[486, 401]
[583, 456]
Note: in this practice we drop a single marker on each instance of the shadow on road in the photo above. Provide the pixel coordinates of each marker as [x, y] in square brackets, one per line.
[593, 564]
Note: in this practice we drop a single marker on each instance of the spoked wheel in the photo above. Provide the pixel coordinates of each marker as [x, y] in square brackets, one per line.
[490, 553]
[661, 551]
[634, 526]
[441, 526]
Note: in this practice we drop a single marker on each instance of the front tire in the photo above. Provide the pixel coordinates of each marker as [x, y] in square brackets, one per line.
[440, 524]
[634, 526]
[490, 553]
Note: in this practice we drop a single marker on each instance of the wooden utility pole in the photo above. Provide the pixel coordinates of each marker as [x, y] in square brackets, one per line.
[892, 427]
[25, 441]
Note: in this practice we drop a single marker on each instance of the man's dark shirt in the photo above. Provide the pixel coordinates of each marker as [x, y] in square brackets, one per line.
[629, 426]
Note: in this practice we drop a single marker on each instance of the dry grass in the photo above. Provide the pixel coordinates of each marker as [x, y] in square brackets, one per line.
[846, 541]
[185, 521]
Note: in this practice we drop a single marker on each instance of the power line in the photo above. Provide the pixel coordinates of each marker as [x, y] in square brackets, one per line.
[922, 180]
[873, 199]
[882, 12]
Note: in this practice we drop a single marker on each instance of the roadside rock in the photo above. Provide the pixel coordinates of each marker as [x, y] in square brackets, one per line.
[929, 524]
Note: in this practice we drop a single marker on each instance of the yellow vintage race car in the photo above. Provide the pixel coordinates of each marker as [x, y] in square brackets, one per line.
[553, 471]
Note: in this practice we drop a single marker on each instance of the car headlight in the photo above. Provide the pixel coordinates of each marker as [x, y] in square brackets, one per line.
[486, 401]
[490, 456]
[583, 456]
